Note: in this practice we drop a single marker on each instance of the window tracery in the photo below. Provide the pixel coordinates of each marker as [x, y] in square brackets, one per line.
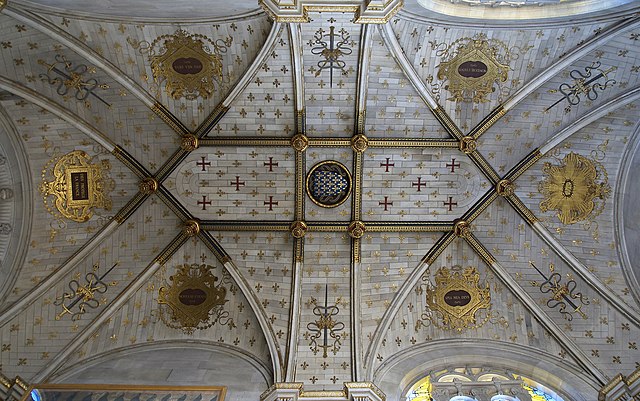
[478, 384]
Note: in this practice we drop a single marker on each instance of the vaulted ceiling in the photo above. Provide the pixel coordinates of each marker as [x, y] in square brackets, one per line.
[321, 170]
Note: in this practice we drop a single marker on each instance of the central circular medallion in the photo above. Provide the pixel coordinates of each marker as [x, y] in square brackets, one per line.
[329, 184]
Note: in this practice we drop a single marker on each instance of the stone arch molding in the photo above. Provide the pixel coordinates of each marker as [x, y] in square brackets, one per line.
[398, 373]
[627, 213]
[16, 199]
[174, 363]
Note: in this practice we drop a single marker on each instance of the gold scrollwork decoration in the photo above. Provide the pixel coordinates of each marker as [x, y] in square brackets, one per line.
[325, 332]
[76, 185]
[84, 296]
[194, 298]
[189, 64]
[576, 189]
[472, 67]
[457, 300]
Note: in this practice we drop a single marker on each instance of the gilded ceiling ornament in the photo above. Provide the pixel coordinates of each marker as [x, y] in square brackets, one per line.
[329, 184]
[356, 229]
[473, 68]
[461, 228]
[148, 186]
[584, 84]
[83, 295]
[298, 229]
[562, 295]
[577, 188]
[325, 332]
[468, 144]
[194, 298]
[457, 300]
[68, 77]
[189, 64]
[189, 142]
[505, 187]
[300, 142]
[359, 143]
[76, 186]
[191, 228]
[331, 46]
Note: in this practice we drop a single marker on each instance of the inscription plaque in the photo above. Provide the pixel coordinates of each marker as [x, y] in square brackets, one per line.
[457, 298]
[472, 69]
[192, 296]
[79, 186]
[187, 65]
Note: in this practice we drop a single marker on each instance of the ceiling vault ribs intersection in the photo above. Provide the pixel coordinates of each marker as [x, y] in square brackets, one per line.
[323, 250]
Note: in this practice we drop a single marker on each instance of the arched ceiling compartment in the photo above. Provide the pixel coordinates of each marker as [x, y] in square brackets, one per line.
[229, 47]
[592, 240]
[515, 246]
[15, 200]
[110, 109]
[508, 320]
[142, 321]
[546, 111]
[43, 319]
[54, 237]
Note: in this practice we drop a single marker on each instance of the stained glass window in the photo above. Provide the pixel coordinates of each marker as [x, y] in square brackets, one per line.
[538, 394]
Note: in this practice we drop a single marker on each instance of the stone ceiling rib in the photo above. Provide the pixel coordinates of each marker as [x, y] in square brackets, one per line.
[54, 108]
[254, 303]
[296, 46]
[567, 60]
[533, 307]
[364, 60]
[295, 34]
[81, 49]
[58, 360]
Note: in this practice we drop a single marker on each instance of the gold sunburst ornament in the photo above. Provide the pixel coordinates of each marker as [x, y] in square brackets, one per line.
[75, 185]
[194, 299]
[576, 189]
[189, 64]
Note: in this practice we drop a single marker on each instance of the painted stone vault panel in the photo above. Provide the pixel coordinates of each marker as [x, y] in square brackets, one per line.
[54, 236]
[594, 331]
[265, 260]
[330, 86]
[140, 319]
[418, 184]
[560, 101]
[590, 234]
[394, 109]
[124, 45]
[526, 52]
[39, 332]
[387, 261]
[229, 184]
[325, 289]
[266, 106]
